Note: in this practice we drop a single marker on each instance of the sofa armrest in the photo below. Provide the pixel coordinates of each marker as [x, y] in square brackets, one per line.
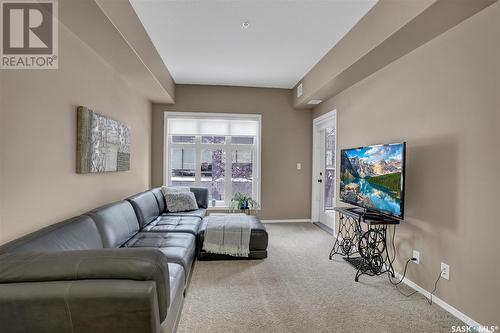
[114, 264]
[201, 195]
[111, 306]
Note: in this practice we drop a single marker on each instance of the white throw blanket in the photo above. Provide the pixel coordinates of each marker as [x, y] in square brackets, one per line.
[227, 234]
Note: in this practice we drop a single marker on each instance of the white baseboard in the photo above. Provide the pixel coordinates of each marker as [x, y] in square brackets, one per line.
[460, 315]
[447, 307]
[287, 221]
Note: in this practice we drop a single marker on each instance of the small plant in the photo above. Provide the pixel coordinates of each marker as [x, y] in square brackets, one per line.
[243, 201]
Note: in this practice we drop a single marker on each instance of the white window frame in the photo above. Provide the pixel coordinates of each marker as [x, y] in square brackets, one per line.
[228, 146]
[318, 123]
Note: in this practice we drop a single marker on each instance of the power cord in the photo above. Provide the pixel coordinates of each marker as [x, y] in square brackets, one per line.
[394, 259]
[432, 292]
[404, 272]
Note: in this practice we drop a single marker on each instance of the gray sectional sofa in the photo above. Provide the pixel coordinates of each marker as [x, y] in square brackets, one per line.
[123, 267]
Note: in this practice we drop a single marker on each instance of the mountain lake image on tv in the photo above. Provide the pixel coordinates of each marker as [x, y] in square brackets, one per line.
[372, 177]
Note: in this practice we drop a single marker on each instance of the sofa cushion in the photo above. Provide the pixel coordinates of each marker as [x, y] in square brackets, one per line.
[201, 194]
[77, 233]
[160, 199]
[178, 247]
[116, 222]
[258, 234]
[199, 213]
[145, 207]
[177, 278]
[90, 265]
[188, 224]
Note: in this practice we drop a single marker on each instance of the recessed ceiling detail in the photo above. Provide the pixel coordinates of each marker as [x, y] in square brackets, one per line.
[209, 42]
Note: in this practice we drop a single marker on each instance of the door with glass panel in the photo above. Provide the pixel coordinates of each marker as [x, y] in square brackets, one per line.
[324, 174]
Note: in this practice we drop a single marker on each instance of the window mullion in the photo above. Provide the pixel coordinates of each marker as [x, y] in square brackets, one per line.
[228, 172]
[197, 161]
[255, 169]
[255, 174]
[168, 163]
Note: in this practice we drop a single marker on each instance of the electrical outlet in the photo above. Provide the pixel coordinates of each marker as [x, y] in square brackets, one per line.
[416, 255]
[445, 271]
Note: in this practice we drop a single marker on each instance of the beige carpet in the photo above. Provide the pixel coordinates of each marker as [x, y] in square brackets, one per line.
[297, 289]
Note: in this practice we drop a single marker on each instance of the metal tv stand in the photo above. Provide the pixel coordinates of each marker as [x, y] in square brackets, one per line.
[370, 244]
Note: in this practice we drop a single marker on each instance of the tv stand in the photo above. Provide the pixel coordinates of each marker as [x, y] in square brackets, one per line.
[370, 243]
[371, 215]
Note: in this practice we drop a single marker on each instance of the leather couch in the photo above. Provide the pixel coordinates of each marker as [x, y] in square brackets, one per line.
[122, 267]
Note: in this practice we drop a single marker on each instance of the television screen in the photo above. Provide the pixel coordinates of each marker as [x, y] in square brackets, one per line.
[373, 177]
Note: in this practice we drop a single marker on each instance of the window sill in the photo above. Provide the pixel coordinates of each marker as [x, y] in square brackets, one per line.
[220, 208]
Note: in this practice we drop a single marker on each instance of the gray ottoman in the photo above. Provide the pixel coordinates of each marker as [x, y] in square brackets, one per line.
[258, 242]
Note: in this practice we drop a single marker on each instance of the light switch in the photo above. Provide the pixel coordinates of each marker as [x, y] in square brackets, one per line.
[299, 166]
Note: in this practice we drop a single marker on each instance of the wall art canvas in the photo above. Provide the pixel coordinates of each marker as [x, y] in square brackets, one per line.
[103, 144]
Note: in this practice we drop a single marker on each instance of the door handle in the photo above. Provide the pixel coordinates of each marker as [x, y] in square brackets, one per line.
[320, 180]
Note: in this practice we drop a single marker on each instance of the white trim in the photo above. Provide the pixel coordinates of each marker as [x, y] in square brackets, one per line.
[166, 167]
[325, 116]
[314, 199]
[457, 313]
[445, 306]
[287, 221]
[229, 210]
[218, 208]
[249, 116]
[257, 145]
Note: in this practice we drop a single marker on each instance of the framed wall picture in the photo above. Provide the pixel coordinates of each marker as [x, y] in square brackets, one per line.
[103, 144]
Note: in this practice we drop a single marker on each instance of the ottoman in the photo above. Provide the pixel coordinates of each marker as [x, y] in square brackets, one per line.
[258, 242]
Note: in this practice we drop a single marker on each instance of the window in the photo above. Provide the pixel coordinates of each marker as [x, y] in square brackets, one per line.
[183, 166]
[217, 151]
[329, 168]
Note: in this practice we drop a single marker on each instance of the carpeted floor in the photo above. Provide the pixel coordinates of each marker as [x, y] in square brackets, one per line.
[297, 289]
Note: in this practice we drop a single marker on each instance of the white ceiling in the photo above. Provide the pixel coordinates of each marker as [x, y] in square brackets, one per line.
[203, 42]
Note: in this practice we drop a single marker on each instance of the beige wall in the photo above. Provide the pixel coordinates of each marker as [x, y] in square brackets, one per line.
[1, 153]
[286, 141]
[38, 139]
[442, 99]
[384, 19]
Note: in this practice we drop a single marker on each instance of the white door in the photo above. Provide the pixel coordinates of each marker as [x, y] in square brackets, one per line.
[324, 175]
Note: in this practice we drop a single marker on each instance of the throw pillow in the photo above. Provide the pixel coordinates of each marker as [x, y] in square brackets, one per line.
[174, 189]
[181, 202]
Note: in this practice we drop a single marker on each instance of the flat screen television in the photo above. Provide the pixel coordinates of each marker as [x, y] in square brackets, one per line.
[372, 177]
